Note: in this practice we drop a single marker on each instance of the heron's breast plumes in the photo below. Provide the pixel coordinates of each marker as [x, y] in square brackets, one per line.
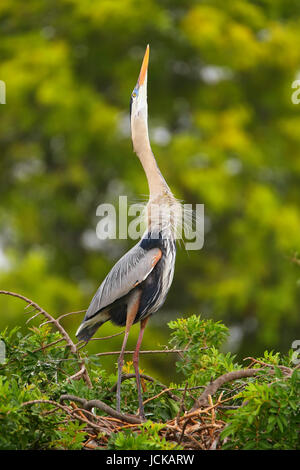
[164, 214]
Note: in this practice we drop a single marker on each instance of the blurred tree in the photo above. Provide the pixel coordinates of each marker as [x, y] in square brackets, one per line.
[223, 128]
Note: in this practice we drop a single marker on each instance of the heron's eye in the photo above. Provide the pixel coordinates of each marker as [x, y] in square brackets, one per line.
[133, 94]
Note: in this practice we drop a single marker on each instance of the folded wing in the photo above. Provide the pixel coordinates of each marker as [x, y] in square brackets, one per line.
[132, 269]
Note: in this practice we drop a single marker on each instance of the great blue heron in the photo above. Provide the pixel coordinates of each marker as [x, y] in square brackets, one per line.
[138, 284]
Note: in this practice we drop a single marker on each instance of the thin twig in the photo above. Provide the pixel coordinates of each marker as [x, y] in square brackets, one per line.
[85, 343]
[284, 369]
[152, 351]
[34, 316]
[47, 345]
[182, 402]
[60, 328]
[166, 390]
[146, 377]
[47, 315]
[216, 384]
[70, 313]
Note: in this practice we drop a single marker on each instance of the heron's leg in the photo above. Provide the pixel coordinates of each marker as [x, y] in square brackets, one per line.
[136, 366]
[132, 310]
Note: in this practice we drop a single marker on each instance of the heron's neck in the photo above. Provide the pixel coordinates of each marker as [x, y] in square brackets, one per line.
[141, 144]
[163, 210]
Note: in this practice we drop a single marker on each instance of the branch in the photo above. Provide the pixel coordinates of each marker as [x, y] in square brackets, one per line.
[65, 409]
[212, 388]
[60, 328]
[46, 402]
[89, 404]
[47, 315]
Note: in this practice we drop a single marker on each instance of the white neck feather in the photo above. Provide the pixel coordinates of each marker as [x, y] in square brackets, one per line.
[163, 210]
[141, 144]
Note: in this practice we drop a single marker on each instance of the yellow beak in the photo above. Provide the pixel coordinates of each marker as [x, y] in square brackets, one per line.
[144, 67]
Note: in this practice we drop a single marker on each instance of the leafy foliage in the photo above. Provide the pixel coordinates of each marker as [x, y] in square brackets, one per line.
[269, 418]
[21, 428]
[36, 375]
[202, 361]
[147, 439]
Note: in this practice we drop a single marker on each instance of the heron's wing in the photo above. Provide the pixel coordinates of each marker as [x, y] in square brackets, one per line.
[132, 269]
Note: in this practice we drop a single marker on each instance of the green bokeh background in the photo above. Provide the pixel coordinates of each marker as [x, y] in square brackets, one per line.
[225, 134]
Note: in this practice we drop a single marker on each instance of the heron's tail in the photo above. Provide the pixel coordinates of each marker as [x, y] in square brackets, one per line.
[89, 326]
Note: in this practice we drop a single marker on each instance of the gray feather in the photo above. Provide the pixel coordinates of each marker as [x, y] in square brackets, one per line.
[132, 269]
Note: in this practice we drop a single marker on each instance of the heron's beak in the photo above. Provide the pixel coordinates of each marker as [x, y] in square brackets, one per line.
[144, 68]
[141, 86]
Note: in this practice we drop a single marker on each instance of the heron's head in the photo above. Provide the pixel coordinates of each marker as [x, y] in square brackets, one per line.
[138, 103]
